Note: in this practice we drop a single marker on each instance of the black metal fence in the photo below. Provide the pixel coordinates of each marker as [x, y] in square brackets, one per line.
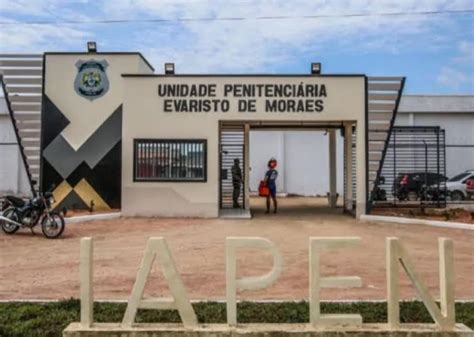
[414, 170]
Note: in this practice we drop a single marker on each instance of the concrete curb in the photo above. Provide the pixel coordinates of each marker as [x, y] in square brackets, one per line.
[216, 301]
[266, 329]
[412, 221]
[415, 299]
[92, 217]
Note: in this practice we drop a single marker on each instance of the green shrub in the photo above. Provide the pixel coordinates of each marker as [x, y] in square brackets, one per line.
[50, 319]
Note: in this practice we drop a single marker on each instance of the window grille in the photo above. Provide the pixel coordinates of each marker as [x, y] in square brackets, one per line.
[170, 160]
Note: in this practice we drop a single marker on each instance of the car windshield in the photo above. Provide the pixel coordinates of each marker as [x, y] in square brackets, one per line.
[459, 177]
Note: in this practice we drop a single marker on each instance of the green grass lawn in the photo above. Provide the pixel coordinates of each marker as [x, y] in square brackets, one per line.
[48, 320]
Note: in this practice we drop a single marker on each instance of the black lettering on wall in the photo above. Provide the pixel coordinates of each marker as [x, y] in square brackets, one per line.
[319, 105]
[288, 98]
[167, 105]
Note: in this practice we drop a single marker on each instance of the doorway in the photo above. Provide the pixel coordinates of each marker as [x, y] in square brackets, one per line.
[303, 157]
[233, 201]
[307, 183]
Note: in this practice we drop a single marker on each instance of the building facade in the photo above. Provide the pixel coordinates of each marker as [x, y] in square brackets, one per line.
[151, 115]
[114, 135]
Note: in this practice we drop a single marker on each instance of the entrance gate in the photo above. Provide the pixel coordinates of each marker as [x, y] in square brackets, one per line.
[232, 146]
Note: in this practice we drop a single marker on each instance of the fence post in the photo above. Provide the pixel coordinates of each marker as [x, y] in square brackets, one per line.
[437, 168]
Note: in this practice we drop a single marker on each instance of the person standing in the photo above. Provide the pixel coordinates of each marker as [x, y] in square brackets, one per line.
[270, 182]
[236, 182]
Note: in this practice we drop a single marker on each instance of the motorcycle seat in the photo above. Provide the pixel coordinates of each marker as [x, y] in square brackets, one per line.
[15, 201]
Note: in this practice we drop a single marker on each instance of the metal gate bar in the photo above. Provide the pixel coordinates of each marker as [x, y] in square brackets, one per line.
[354, 173]
[232, 146]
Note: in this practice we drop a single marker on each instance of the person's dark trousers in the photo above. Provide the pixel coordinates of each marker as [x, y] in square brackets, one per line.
[236, 195]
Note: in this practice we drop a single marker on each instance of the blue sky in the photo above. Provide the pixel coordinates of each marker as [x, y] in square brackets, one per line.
[435, 52]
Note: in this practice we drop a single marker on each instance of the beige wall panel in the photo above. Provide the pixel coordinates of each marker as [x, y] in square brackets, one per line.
[86, 115]
[143, 117]
[143, 67]
[169, 201]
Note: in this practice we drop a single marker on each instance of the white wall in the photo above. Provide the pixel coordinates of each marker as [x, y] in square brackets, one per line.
[263, 146]
[303, 160]
[459, 129]
[13, 178]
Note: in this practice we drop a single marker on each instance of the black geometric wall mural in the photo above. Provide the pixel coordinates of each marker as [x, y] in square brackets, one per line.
[53, 122]
[88, 177]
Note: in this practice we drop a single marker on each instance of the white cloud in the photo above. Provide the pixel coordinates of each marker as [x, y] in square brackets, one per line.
[248, 45]
[460, 72]
[33, 38]
[37, 8]
[233, 46]
[40, 38]
[453, 78]
[466, 53]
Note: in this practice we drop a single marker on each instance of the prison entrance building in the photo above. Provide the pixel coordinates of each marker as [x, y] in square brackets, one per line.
[103, 130]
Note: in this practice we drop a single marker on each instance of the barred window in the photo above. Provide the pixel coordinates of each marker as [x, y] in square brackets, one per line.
[170, 160]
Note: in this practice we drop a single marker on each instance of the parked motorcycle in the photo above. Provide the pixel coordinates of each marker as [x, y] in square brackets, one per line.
[379, 194]
[433, 193]
[16, 214]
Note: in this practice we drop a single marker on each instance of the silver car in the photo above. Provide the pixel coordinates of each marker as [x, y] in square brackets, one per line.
[456, 185]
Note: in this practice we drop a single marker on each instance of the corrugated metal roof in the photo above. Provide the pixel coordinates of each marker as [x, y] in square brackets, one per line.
[437, 103]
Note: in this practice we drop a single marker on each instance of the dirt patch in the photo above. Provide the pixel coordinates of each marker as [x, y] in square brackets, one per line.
[34, 267]
[449, 214]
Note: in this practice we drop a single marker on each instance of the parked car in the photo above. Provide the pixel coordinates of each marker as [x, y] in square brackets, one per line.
[409, 186]
[457, 185]
[470, 187]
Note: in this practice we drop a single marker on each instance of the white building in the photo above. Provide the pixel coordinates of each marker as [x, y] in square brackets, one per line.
[13, 179]
[454, 114]
[303, 156]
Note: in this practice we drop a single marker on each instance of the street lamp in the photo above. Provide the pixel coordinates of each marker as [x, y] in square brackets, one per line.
[315, 68]
[169, 68]
[92, 47]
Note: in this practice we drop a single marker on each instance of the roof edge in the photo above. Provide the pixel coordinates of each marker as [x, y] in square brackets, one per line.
[438, 95]
[244, 75]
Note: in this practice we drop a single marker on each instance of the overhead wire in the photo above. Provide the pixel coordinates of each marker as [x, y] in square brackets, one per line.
[256, 18]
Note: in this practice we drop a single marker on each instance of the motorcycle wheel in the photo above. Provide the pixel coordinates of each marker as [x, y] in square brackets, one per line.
[7, 227]
[52, 225]
[402, 197]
